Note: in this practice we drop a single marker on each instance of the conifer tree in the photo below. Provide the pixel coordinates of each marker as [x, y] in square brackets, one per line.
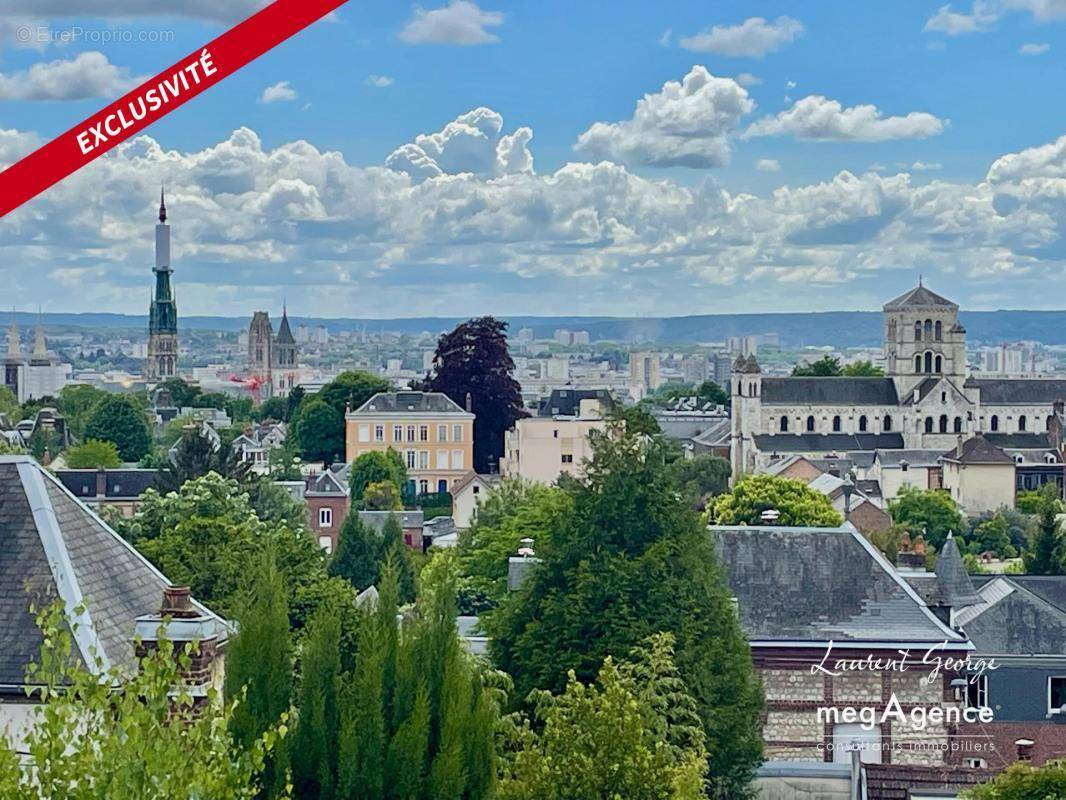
[314, 746]
[357, 553]
[1046, 555]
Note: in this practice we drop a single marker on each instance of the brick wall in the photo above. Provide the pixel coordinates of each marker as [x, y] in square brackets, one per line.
[339, 505]
[997, 740]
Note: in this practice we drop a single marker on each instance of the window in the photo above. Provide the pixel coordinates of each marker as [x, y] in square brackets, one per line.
[442, 486]
[423, 486]
[457, 459]
[928, 361]
[976, 763]
[928, 424]
[410, 459]
[943, 397]
[364, 433]
[442, 433]
[325, 517]
[810, 424]
[457, 433]
[476, 489]
[918, 362]
[886, 426]
[958, 424]
[423, 433]
[943, 423]
[917, 331]
[938, 331]
[326, 543]
[410, 433]
[848, 736]
[862, 424]
[442, 459]
[568, 458]
[994, 423]
[1021, 422]
[939, 364]
[379, 433]
[977, 692]
[1056, 694]
[784, 424]
[423, 459]
[397, 433]
[836, 424]
[928, 329]
[555, 433]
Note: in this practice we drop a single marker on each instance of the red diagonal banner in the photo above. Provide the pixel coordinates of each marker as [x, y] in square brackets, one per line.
[132, 113]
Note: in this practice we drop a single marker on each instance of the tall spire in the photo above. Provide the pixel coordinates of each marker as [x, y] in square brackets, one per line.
[13, 349]
[162, 204]
[40, 349]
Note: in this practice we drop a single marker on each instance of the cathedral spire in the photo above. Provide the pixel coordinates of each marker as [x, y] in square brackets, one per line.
[13, 349]
[40, 349]
[162, 204]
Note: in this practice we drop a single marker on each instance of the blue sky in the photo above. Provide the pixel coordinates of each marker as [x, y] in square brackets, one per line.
[790, 156]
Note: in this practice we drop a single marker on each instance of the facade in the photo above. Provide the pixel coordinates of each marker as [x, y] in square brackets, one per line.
[40, 375]
[328, 500]
[433, 435]
[467, 493]
[273, 361]
[978, 475]
[644, 373]
[255, 444]
[542, 448]
[162, 361]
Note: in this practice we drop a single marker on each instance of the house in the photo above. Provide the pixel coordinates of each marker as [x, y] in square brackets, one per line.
[328, 500]
[109, 488]
[979, 475]
[433, 435]
[440, 532]
[53, 547]
[411, 522]
[894, 469]
[849, 499]
[255, 444]
[541, 448]
[467, 492]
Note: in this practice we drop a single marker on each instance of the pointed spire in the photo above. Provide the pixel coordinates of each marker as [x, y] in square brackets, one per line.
[956, 588]
[40, 349]
[162, 204]
[13, 349]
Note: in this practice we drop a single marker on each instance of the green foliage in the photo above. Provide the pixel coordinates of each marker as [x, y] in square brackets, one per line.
[320, 432]
[929, 512]
[8, 449]
[888, 541]
[630, 559]
[197, 454]
[1021, 781]
[275, 408]
[77, 403]
[796, 503]
[121, 420]
[125, 735]
[825, 367]
[92, 454]
[273, 503]
[701, 478]
[382, 496]
[1046, 556]
[45, 439]
[474, 359]
[362, 553]
[1029, 501]
[376, 466]
[862, 369]
[314, 742]
[9, 405]
[181, 393]
[706, 392]
[637, 420]
[350, 388]
[635, 733]
[990, 533]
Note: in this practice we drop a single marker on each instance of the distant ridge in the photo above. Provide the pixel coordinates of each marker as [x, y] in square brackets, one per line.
[840, 328]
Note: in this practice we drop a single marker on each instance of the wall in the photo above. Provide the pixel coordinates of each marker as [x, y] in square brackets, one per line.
[339, 504]
[535, 448]
[446, 458]
[980, 487]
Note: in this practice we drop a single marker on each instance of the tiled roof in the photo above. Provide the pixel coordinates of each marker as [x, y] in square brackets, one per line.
[1018, 391]
[977, 450]
[827, 442]
[915, 458]
[919, 297]
[410, 403]
[52, 546]
[817, 584]
[826, 391]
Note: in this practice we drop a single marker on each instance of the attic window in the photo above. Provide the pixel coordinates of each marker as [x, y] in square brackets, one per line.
[1056, 694]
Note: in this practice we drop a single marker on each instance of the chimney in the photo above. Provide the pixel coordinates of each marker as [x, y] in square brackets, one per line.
[469, 403]
[101, 483]
[916, 396]
[1025, 749]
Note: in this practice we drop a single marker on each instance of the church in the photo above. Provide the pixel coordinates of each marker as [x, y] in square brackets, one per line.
[273, 360]
[926, 402]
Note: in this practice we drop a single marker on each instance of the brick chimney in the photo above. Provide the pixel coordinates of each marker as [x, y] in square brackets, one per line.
[101, 483]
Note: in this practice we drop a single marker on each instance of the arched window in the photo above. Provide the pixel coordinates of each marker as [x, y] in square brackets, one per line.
[928, 361]
[917, 330]
[994, 423]
[810, 424]
[938, 333]
[836, 424]
[928, 424]
[1021, 422]
[958, 424]
[862, 424]
[939, 365]
[784, 424]
[928, 330]
[918, 363]
[943, 423]
[886, 426]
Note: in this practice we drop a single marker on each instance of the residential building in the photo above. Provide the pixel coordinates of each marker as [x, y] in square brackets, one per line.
[255, 444]
[433, 435]
[979, 475]
[162, 361]
[542, 448]
[411, 523]
[120, 489]
[328, 500]
[694, 369]
[467, 493]
[644, 374]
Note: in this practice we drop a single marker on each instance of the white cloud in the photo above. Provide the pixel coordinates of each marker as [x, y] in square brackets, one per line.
[280, 92]
[685, 124]
[88, 74]
[790, 84]
[378, 81]
[460, 22]
[768, 165]
[753, 38]
[664, 40]
[747, 79]
[984, 14]
[1034, 49]
[210, 10]
[926, 166]
[818, 118]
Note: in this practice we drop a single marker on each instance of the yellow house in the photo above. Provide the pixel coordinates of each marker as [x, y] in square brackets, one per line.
[433, 435]
[979, 476]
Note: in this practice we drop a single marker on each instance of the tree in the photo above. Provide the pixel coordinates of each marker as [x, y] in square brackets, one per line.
[1046, 555]
[382, 496]
[825, 367]
[76, 403]
[375, 466]
[125, 735]
[635, 733]
[990, 534]
[9, 405]
[929, 512]
[275, 408]
[92, 454]
[637, 420]
[259, 665]
[701, 478]
[630, 559]
[862, 369]
[474, 360]
[1021, 781]
[356, 556]
[196, 454]
[320, 432]
[394, 552]
[314, 742]
[182, 394]
[120, 420]
[796, 504]
[351, 389]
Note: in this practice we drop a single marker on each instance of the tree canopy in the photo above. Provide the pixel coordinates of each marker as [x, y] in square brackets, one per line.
[1046, 556]
[375, 466]
[319, 429]
[92, 454]
[929, 512]
[796, 503]
[120, 420]
[1021, 781]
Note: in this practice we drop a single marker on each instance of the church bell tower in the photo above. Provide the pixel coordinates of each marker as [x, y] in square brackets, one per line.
[162, 361]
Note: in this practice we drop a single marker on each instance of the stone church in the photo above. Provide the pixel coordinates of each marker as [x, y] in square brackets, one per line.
[925, 402]
[274, 360]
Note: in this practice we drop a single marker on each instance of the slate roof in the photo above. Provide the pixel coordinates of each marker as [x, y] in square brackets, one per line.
[810, 585]
[567, 402]
[916, 458]
[118, 483]
[956, 589]
[52, 546]
[919, 297]
[827, 442]
[284, 333]
[1018, 391]
[977, 450]
[1019, 441]
[824, 391]
[375, 520]
[1011, 620]
[410, 403]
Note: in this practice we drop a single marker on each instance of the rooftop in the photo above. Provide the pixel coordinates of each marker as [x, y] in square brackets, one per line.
[410, 403]
[920, 297]
[840, 390]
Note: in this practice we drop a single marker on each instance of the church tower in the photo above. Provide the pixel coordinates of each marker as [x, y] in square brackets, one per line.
[923, 339]
[13, 361]
[162, 361]
[285, 360]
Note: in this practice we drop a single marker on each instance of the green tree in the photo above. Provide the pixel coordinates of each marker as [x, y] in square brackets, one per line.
[259, 665]
[862, 369]
[76, 403]
[701, 478]
[796, 504]
[635, 733]
[315, 740]
[990, 534]
[351, 388]
[197, 454]
[9, 405]
[474, 360]
[375, 466]
[637, 420]
[825, 367]
[1046, 556]
[1021, 781]
[275, 408]
[120, 420]
[92, 454]
[382, 496]
[356, 556]
[929, 512]
[182, 394]
[125, 734]
[628, 560]
[395, 551]
[320, 432]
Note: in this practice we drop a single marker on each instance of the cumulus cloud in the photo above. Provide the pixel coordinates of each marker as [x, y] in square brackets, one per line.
[753, 38]
[768, 165]
[280, 92]
[818, 118]
[378, 81]
[471, 143]
[86, 75]
[460, 22]
[686, 124]
[1033, 49]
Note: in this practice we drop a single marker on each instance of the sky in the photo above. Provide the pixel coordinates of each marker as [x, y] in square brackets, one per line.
[599, 158]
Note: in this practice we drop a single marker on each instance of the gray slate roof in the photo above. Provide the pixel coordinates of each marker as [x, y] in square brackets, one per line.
[52, 546]
[919, 297]
[827, 442]
[410, 403]
[1015, 621]
[914, 458]
[1020, 441]
[567, 402]
[823, 391]
[956, 589]
[1019, 391]
[977, 450]
[375, 520]
[817, 584]
[118, 483]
